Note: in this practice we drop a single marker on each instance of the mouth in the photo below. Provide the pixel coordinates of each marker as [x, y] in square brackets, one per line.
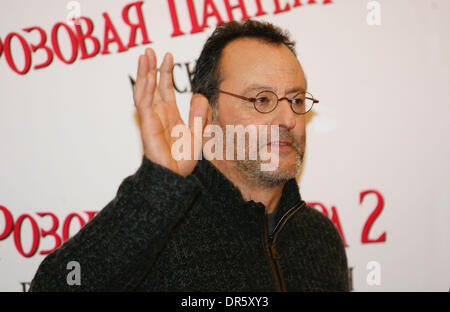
[282, 145]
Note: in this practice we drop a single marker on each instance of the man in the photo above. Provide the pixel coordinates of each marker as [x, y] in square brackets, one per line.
[182, 224]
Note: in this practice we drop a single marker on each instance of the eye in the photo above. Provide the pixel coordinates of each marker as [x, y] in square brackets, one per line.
[297, 101]
[262, 100]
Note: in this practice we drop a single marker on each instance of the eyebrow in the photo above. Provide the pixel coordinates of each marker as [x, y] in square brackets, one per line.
[265, 88]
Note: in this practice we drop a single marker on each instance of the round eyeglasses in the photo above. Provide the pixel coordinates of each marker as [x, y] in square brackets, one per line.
[266, 101]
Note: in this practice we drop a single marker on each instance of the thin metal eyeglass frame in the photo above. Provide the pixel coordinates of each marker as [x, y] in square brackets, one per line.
[253, 100]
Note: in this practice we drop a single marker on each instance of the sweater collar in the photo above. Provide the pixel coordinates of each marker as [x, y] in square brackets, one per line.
[217, 185]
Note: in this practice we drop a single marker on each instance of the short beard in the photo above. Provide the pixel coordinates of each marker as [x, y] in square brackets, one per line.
[250, 170]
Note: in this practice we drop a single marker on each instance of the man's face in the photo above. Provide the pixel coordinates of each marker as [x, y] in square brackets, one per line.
[249, 66]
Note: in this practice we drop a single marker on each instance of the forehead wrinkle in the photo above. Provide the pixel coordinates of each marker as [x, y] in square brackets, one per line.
[259, 69]
[258, 87]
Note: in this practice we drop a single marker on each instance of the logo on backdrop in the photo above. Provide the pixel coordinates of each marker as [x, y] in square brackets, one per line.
[18, 47]
[56, 235]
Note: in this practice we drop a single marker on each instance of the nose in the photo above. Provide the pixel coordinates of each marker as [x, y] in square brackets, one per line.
[284, 116]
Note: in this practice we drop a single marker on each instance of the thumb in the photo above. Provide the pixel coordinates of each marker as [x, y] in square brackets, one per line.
[198, 115]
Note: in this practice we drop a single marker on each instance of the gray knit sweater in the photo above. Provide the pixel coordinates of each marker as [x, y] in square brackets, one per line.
[164, 232]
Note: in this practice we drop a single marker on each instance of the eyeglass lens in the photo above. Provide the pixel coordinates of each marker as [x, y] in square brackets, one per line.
[266, 102]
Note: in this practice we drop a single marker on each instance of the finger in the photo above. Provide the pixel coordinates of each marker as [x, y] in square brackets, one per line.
[151, 56]
[150, 97]
[145, 102]
[165, 85]
[157, 97]
[152, 130]
[139, 84]
[153, 68]
[150, 122]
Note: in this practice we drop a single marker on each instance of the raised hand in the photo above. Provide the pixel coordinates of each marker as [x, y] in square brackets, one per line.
[158, 113]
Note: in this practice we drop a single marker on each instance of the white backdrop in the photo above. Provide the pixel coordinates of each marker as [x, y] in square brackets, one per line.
[69, 135]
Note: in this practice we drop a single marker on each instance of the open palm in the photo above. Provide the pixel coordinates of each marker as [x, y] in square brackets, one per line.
[158, 113]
